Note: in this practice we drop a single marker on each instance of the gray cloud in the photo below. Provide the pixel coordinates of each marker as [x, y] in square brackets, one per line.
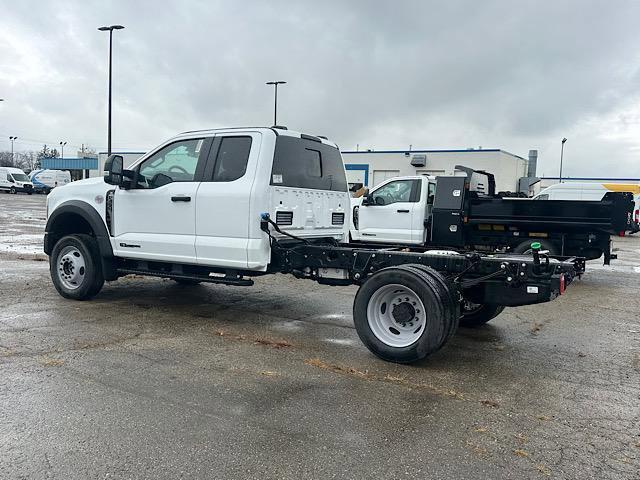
[381, 74]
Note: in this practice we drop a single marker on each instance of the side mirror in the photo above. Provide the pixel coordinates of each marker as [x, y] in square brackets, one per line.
[113, 168]
[367, 198]
[11, 180]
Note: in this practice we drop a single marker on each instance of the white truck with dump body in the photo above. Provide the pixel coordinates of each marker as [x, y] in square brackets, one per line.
[414, 210]
[223, 206]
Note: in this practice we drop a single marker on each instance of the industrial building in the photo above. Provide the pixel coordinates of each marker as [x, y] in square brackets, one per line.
[82, 166]
[370, 168]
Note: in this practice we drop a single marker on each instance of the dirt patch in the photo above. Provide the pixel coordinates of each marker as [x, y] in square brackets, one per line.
[354, 372]
[52, 362]
[266, 341]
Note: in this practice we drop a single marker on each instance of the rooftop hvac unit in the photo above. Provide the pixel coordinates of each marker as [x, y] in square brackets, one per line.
[419, 160]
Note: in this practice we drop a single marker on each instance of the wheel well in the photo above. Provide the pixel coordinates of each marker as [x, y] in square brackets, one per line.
[68, 224]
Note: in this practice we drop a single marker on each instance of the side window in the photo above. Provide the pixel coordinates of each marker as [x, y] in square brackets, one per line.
[431, 193]
[9, 179]
[232, 159]
[544, 196]
[394, 192]
[176, 162]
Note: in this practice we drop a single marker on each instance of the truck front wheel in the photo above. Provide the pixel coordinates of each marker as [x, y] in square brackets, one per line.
[75, 267]
[475, 314]
[403, 314]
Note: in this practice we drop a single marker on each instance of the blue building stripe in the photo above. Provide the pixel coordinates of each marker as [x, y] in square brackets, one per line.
[70, 163]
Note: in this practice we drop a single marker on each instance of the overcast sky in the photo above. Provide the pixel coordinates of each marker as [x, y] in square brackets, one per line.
[449, 74]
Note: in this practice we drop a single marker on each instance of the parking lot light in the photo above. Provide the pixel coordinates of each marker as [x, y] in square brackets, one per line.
[110, 29]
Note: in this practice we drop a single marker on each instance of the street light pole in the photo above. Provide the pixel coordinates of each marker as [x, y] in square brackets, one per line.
[62, 144]
[13, 139]
[275, 104]
[561, 155]
[110, 29]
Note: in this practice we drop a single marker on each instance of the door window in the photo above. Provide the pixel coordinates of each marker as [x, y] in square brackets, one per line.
[232, 159]
[394, 192]
[431, 193]
[176, 162]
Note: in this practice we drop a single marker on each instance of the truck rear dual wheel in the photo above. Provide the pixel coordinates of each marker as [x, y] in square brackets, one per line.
[75, 267]
[403, 314]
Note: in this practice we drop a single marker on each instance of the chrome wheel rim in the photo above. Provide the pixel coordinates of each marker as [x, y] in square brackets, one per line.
[396, 315]
[71, 268]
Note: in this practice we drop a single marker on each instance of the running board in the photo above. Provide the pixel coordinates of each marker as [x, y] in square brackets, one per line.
[222, 279]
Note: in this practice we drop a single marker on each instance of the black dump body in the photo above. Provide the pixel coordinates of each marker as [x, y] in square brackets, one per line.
[467, 219]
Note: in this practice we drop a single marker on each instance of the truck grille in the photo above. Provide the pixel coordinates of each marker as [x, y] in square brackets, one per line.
[284, 218]
[337, 218]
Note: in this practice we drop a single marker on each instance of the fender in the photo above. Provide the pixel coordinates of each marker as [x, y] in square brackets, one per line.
[93, 218]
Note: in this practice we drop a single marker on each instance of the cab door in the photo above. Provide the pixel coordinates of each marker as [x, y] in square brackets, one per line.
[222, 215]
[156, 218]
[389, 217]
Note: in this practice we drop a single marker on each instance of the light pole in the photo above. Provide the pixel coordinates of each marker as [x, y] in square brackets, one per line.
[62, 144]
[13, 139]
[561, 155]
[110, 29]
[275, 104]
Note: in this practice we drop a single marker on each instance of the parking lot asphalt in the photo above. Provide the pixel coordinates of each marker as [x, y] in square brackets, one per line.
[155, 380]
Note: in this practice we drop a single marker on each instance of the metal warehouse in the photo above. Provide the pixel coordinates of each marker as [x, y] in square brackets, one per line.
[370, 168]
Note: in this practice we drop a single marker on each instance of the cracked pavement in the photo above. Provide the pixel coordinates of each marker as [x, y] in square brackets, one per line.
[155, 380]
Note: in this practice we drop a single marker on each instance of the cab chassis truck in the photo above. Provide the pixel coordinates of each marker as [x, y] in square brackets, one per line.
[207, 206]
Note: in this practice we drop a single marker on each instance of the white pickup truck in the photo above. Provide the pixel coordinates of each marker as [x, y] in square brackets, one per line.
[223, 206]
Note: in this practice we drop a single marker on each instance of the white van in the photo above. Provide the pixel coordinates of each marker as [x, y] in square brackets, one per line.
[46, 180]
[14, 180]
[585, 191]
[592, 191]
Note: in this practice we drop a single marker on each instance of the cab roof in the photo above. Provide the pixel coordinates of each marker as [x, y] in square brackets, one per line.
[278, 130]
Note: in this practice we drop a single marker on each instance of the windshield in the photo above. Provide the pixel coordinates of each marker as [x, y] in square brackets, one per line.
[20, 177]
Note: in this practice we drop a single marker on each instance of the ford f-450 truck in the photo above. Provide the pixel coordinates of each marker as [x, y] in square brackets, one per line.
[224, 206]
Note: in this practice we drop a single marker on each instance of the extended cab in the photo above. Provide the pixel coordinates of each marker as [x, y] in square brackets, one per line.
[224, 206]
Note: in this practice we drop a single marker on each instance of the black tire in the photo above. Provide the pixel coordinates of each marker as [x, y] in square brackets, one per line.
[12, 190]
[434, 328]
[447, 290]
[186, 282]
[525, 247]
[478, 316]
[89, 278]
[29, 193]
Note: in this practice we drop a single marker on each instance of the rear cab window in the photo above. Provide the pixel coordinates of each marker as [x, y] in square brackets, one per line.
[305, 163]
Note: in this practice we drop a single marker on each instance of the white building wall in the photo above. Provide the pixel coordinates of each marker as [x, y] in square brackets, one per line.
[506, 167]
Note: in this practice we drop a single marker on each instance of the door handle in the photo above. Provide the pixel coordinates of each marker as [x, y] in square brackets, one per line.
[403, 211]
[181, 198]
